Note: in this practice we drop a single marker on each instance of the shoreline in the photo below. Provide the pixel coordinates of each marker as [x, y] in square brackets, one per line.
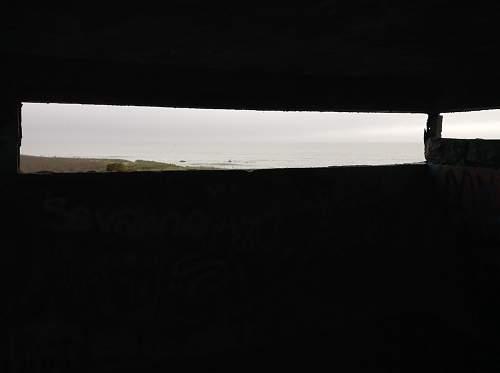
[35, 164]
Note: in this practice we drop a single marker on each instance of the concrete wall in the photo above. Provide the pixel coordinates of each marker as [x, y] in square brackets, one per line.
[463, 152]
[331, 55]
[355, 267]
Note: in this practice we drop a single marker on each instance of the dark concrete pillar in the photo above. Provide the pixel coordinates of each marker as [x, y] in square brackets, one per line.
[432, 133]
[434, 126]
[10, 136]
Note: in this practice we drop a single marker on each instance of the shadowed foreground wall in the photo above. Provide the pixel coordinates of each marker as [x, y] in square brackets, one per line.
[355, 267]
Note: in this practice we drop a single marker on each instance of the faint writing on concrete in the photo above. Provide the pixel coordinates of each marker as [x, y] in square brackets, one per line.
[191, 274]
[469, 187]
[137, 221]
[472, 197]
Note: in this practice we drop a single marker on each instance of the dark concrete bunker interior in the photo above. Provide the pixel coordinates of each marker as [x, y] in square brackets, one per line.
[387, 268]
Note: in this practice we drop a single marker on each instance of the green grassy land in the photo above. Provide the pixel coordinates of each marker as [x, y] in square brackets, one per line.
[31, 164]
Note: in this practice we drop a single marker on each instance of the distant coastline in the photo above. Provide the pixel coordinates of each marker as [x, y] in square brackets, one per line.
[234, 156]
[34, 164]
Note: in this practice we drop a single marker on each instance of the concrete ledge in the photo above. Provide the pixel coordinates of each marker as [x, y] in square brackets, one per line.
[463, 152]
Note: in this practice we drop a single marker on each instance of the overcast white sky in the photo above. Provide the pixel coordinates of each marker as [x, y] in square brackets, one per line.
[67, 129]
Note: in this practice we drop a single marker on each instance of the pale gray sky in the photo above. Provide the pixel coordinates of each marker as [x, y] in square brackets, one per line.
[474, 124]
[55, 129]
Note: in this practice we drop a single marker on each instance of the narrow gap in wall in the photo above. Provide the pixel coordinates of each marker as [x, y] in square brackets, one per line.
[83, 138]
[471, 125]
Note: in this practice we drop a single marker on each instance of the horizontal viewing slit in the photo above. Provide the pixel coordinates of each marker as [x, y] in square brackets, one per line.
[96, 138]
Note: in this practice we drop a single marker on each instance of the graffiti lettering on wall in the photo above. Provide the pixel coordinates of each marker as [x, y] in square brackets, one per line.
[137, 221]
[472, 195]
[471, 188]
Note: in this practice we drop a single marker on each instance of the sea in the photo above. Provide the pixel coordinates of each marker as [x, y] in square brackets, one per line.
[276, 155]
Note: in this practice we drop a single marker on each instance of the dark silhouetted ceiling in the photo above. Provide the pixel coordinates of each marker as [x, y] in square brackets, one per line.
[320, 55]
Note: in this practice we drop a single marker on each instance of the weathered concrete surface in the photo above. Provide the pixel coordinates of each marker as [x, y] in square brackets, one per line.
[463, 152]
[347, 55]
[10, 136]
[352, 267]
[434, 127]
